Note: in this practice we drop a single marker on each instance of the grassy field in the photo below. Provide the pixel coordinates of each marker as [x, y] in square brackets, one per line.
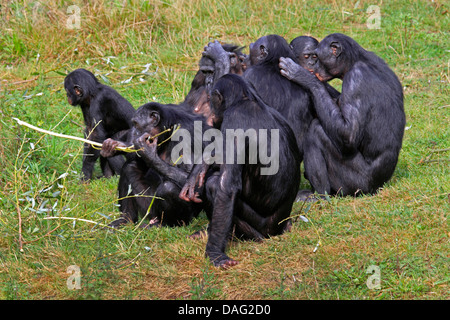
[403, 231]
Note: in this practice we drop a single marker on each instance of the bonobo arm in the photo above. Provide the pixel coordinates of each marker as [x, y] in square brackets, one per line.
[196, 177]
[221, 58]
[342, 123]
[230, 186]
[109, 147]
[334, 94]
[148, 152]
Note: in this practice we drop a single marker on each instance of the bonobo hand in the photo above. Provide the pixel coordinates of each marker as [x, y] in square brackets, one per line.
[147, 147]
[289, 68]
[109, 147]
[295, 72]
[188, 192]
[215, 51]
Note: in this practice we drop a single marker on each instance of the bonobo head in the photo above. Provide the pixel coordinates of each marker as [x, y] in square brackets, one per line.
[269, 49]
[147, 120]
[238, 63]
[304, 48]
[238, 60]
[336, 53]
[81, 86]
[229, 90]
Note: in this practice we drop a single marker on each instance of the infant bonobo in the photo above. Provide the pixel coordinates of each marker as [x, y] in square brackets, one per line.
[105, 114]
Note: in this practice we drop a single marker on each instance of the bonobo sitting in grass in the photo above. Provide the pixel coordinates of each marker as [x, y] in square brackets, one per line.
[247, 195]
[353, 145]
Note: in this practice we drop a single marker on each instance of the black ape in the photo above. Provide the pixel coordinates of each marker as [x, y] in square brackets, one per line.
[105, 113]
[354, 145]
[158, 170]
[251, 195]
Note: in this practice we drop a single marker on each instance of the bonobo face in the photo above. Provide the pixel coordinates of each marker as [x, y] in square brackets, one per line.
[146, 121]
[239, 63]
[304, 48]
[207, 68]
[308, 57]
[331, 60]
[258, 51]
[74, 92]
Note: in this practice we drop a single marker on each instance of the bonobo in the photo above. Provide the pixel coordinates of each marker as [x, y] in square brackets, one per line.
[161, 166]
[105, 114]
[247, 195]
[140, 176]
[353, 146]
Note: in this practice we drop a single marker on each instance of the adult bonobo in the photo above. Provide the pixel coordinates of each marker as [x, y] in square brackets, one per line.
[105, 114]
[197, 100]
[247, 195]
[353, 145]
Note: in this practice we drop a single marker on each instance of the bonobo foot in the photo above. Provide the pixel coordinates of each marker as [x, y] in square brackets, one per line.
[119, 222]
[221, 260]
[201, 234]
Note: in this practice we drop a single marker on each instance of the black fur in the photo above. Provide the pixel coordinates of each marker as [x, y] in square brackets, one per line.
[288, 98]
[243, 199]
[105, 114]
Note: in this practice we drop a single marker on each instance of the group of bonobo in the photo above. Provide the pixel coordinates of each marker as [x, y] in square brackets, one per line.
[349, 141]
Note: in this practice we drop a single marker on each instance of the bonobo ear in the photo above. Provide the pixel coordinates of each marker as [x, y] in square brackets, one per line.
[216, 98]
[263, 52]
[78, 90]
[336, 48]
[155, 118]
[233, 59]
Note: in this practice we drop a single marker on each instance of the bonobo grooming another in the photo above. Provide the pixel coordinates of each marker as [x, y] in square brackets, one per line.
[244, 197]
[263, 76]
[155, 170]
[353, 145]
[105, 113]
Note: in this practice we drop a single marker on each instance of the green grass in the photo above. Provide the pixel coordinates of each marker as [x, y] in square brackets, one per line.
[404, 230]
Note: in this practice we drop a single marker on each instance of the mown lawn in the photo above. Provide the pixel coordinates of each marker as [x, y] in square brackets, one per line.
[403, 231]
